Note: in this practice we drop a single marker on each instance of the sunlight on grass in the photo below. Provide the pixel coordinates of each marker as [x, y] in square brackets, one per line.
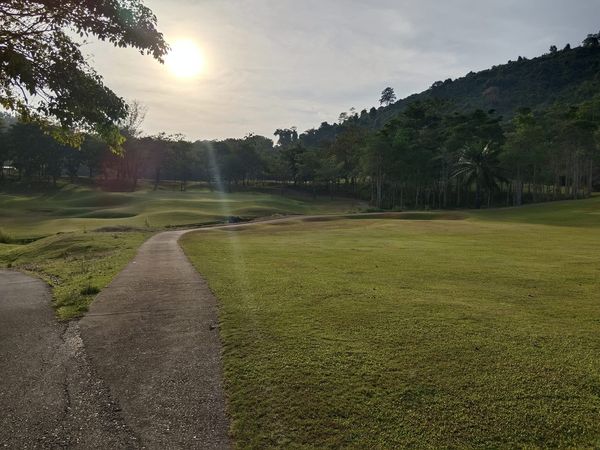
[394, 333]
[78, 261]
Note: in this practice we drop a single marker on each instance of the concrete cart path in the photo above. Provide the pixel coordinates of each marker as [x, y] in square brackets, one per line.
[141, 370]
[152, 336]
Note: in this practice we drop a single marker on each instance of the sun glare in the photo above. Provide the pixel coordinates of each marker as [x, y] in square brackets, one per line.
[185, 60]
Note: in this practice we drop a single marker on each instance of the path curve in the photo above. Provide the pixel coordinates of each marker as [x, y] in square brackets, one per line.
[49, 395]
[152, 335]
[141, 370]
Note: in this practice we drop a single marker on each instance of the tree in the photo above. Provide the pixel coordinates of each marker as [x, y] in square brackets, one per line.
[156, 151]
[93, 151]
[553, 49]
[43, 74]
[3, 147]
[592, 41]
[346, 151]
[523, 151]
[131, 125]
[133, 151]
[374, 158]
[416, 140]
[287, 136]
[388, 97]
[182, 160]
[479, 165]
[34, 153]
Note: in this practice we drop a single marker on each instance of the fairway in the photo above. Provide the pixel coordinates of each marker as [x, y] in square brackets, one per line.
[83, 237]
[482, 332]
[78, 208]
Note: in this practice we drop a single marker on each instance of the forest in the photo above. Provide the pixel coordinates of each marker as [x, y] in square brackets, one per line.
[524, 132]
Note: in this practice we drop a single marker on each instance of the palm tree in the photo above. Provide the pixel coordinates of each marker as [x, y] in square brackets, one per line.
[479, 164]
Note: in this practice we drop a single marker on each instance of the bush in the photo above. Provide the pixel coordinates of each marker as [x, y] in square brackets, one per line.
[4, 237]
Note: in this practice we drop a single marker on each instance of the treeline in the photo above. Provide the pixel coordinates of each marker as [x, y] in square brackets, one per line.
[28, 153]
[431, 157]
[426, 157]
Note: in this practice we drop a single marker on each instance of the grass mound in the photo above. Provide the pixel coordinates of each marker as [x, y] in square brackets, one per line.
[78, 208]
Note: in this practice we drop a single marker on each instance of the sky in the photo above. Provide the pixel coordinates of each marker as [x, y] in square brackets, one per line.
[280, 63]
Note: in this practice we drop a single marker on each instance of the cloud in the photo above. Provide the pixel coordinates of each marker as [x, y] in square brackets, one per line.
[277, 63]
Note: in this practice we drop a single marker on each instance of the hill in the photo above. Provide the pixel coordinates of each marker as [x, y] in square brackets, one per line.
[569, 76]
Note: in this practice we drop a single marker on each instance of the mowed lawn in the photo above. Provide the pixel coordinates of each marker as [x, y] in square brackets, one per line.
[79, 208]
[483, 332]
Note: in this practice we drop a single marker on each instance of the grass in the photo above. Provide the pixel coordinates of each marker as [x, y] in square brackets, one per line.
[483, 332]
[77, 208]
[581, 213]
[76, 265]
[78, 261]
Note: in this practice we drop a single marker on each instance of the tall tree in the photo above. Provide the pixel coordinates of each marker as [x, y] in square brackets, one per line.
[592, 41]
[523, 151]
[287, 136]
[479, 165]
[182, 160]
[388, 96]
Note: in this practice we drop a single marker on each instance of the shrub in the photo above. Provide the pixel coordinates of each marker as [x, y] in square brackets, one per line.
[4, 237]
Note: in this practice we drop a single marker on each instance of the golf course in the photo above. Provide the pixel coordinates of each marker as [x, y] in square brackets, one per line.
[259, 225]
[348, 329]
[479, 330]
[78, 238]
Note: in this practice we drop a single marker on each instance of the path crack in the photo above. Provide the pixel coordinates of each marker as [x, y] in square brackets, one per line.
[91, 417]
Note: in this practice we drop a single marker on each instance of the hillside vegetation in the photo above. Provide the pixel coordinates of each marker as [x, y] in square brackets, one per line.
[567, 76]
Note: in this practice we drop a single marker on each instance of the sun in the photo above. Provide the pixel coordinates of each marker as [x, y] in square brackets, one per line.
[185, 60]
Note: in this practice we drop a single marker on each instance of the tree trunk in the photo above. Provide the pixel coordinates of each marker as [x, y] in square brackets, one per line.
[156, 178]
[590, 179]
[402, 196]
[379, 190]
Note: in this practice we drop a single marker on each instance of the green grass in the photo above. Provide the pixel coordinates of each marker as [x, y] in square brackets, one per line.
[78, 262]
[361, 333]
[76, 265]
[580, 213]
[77, 208]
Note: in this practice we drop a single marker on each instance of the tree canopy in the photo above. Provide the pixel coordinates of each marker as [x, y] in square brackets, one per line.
[43, 74]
